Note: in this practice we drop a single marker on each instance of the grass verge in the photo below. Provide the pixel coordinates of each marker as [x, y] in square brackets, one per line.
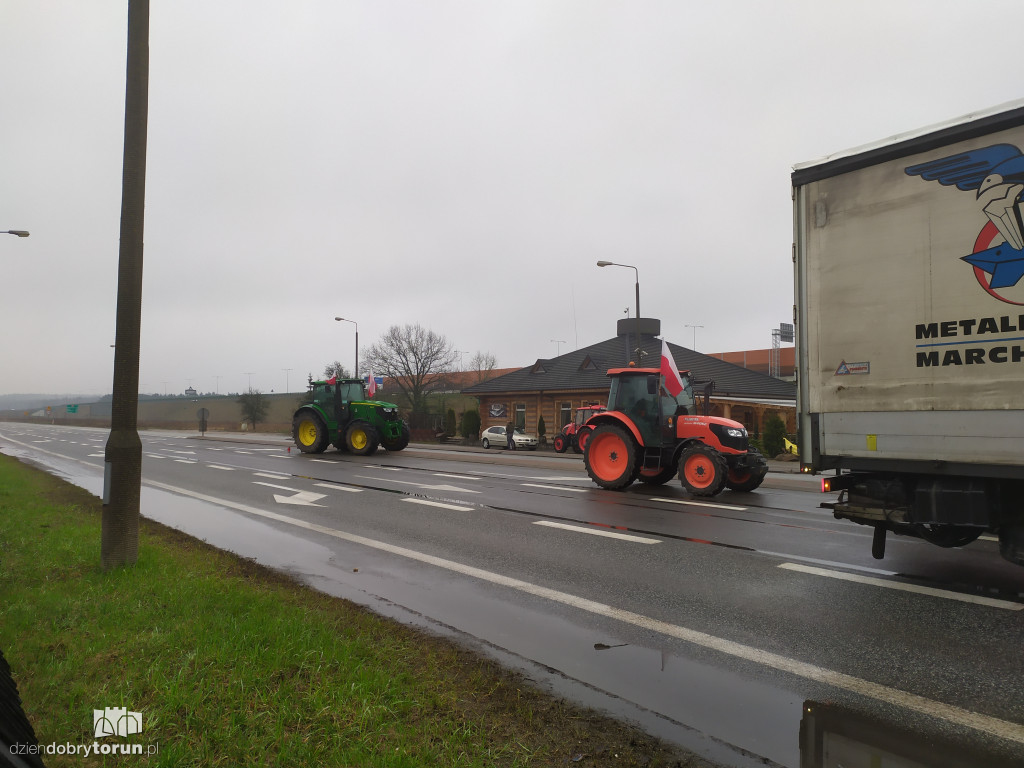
[234, 664]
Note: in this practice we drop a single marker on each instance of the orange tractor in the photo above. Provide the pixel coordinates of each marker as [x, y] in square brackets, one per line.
[648, 435]
[574, 434]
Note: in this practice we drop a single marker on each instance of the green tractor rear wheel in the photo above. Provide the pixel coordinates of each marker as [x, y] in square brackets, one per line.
[309, 432]
[361, 438]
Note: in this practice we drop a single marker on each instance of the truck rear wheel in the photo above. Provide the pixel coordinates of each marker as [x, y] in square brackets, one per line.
[309, 432]
[361, 438]
[610, 457]
[702, 470]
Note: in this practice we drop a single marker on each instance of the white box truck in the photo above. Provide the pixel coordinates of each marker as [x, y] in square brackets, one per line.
[909, 279]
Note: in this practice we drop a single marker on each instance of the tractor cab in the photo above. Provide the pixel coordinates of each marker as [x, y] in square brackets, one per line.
[640, 393]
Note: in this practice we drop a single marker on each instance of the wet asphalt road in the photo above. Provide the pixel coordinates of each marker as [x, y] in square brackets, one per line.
[711, 622]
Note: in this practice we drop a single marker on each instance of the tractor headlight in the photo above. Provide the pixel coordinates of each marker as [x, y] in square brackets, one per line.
[733, 432]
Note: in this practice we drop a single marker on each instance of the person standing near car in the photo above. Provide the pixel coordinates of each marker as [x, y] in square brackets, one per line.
[510, 430]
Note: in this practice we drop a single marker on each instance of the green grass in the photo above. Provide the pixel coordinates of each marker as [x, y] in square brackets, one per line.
[234, 664]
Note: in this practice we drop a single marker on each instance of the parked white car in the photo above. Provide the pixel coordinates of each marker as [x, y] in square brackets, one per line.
[496, 436]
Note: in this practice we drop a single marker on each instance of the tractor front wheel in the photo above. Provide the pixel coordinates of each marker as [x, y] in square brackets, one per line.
[610, 457]
[400, 442]
[309, 432]
[361, 438]
[558, 443]
[702, 470]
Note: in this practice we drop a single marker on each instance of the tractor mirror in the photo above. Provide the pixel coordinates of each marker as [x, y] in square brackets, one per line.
[652, 385]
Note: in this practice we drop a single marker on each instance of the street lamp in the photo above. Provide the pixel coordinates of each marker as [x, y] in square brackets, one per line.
[286, 372]
[558, 349]
[16, 232]
[637, 271]
[695, 327]
[345, 319]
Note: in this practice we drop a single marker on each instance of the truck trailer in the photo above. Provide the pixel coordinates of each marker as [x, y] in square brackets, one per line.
[909, 282]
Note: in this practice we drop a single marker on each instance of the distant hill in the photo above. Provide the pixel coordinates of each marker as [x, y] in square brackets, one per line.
[31, 402]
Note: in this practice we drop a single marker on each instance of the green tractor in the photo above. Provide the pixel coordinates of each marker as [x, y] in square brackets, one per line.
[339, 413]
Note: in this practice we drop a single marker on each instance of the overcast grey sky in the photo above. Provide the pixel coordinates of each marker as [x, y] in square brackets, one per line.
[461, 165]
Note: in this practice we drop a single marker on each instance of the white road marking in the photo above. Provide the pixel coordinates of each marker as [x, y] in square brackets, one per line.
[271, 476]
[457, 477]
[247, 453]
[156, 456]
[598, 532]
[426, 486]
[218, 466]
[699, 503]
[984, 723]
[186, 461]
[991, 602]
[428, 503]
[832, 563]
[323, 461]
[986, 537]
[554, 487]
[93, 455]
[336, 487]
[302, 498]
[184, 453]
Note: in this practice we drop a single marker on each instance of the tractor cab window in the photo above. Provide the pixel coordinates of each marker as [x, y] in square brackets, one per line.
[680, 405]
[351, 391]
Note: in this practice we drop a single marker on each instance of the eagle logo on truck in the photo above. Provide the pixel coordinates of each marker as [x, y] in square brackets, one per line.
[996, 175]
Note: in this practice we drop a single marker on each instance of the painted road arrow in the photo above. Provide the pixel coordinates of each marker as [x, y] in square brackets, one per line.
[303, 498]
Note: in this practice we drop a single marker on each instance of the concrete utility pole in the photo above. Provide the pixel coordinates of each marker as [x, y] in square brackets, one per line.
[122, 479]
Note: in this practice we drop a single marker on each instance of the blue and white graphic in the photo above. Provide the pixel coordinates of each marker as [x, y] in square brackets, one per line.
[996, 174]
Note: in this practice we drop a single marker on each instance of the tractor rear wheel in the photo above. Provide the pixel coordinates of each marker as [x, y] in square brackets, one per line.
[558, 443]
[309, 432]
[580, 444]
[658, 476]
[702, 470]
[361, 438]
[610, 457]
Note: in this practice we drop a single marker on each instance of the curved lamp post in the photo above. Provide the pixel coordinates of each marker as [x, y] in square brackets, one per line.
[637, 271]
[345, 319]
[16, 232]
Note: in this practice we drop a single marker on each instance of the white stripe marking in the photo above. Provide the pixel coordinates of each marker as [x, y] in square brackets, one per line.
[1000, 728]
[833, 563]
[598, 532]
[991, 602]
[271, 476]
[336, 487]
[218, 466]
[457, 477]
[428, 503]
[699, 503]
[554, 487]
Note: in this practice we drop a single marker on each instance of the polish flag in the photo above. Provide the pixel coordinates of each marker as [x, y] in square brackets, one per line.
[332, 380]
[371, 386]
[673, 383]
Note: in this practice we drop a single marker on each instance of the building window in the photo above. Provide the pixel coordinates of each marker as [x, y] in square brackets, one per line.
[521, 416]
[564, 414]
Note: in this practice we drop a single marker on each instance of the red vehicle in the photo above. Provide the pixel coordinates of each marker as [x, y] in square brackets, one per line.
[574, 434]
[648, 435]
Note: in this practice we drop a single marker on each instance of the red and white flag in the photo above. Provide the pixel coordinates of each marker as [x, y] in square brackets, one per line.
[332, 380]
[673, 382]
[371, 385]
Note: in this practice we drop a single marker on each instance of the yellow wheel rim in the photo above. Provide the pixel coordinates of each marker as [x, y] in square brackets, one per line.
[359, 439]
[307, 432]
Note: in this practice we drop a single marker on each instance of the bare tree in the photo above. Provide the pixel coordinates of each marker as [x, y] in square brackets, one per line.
[483, 363]
[336, 369]
[415, 358]
[255, 406]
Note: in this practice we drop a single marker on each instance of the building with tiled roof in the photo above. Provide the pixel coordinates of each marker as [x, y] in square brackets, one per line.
[555, 387]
